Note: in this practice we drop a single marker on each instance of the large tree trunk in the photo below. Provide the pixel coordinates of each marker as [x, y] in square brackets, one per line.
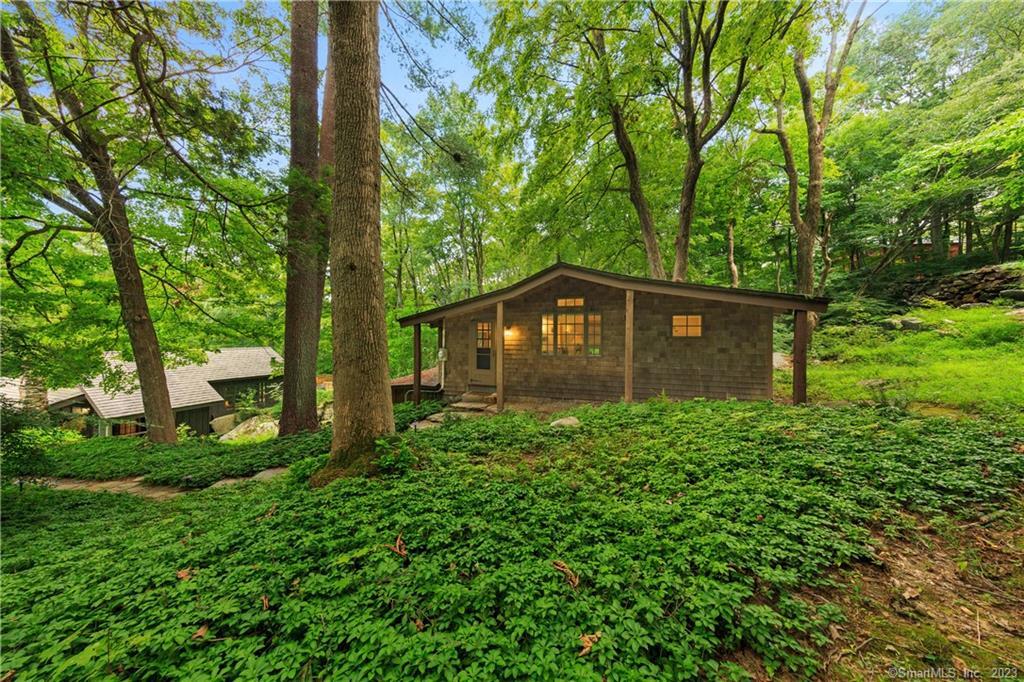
[303, 293]
[687, 200]
[937, 236]
[362, 392]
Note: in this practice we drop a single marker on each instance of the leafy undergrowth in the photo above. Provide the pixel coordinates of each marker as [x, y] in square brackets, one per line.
[199, 462]
[968, 358]
[671, 535]
[193, 463]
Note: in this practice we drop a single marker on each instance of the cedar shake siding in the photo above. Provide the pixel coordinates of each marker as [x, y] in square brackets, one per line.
[731, 359]
[530, 373]
[722, 348]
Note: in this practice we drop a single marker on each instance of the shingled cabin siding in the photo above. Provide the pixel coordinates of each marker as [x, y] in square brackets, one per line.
[530, 373]
[459, 342]
[731, 359]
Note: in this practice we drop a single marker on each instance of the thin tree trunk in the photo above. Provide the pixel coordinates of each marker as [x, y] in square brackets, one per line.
[149, 365]
[362, 392]
[1004, 253]
[734, 273]
[936, 236]
[655, 266]
[687, 201]
[303, 296]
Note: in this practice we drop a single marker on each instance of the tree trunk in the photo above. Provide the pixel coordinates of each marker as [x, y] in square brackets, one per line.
[1004, 253]
[655, 266]
[110, 219]
[149, 366]
[687, 199]
[362, 391]
[730, 236]
[936, 236]
[303, 296]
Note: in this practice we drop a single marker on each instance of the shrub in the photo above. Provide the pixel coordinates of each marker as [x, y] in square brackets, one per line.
[23, 434]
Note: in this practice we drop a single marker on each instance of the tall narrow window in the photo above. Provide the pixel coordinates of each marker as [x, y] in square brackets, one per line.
[593, 333]
[686, 325]
[547, 333]
[570, 333]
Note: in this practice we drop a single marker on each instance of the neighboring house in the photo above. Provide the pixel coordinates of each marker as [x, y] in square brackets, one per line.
[569, 332]
[402, 387]
[198, 393]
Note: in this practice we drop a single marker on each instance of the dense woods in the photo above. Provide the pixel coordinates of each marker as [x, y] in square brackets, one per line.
[764, 145]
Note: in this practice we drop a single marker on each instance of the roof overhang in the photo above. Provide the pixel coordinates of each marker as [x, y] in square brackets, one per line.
[776, 301]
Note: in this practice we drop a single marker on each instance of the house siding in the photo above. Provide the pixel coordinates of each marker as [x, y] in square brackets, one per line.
[732, 358]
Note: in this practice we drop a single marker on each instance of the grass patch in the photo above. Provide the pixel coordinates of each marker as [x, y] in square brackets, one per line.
[968, 358]
[691, 530]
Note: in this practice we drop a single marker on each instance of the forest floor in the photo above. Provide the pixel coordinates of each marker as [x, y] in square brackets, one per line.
[658, 540]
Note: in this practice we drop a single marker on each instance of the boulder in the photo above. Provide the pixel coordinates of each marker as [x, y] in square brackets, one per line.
[260, 425]
[325, 415]
[566, 422]
[911, 323]
[224, 423]
[1013, 294]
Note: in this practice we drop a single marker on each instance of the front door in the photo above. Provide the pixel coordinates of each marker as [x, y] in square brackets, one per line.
[481, 362]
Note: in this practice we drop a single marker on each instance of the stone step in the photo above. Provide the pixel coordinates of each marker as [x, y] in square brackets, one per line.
[479, 397]
[469, 406]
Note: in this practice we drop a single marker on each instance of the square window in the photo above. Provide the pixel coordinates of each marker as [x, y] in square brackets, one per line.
[687, 325]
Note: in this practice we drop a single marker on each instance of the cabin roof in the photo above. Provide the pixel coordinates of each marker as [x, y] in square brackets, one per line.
[766, 299]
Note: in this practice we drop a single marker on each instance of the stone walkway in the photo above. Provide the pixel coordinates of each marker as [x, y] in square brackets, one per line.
[138, 485]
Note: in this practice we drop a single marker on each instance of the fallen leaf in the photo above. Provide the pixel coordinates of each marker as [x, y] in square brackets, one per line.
[399, 547]
[185, 573]
[1019, 448]
[201, 632]
[911, 593]
[588, 642]
[266, 602]
[9, 675]
[270, 512]
[570, 577]
[419, 625]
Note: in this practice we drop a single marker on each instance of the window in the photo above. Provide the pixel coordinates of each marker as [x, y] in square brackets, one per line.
[686, 325]
[594, 334]
[484, 339]
[547, 333]
[570, 332]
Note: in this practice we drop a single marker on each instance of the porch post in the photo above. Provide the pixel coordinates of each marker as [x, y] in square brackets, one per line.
[628, 355]
[499, 355]
[799, 357]
[417, 363]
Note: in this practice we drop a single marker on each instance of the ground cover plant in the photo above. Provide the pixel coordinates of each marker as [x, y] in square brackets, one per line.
[670, 535]
[197, 462]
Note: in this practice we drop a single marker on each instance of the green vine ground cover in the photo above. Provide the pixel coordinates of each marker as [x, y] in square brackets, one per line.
[692, 528]
[198, 462]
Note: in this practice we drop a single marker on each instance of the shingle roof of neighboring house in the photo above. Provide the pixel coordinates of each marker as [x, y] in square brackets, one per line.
[10, 389]
[428, 377]
[188, 385]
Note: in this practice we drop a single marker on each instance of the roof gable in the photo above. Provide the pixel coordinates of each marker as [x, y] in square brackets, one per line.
[767, 299]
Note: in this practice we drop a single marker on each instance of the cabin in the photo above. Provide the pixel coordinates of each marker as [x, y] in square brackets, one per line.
[199, 393]
[575, 333]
